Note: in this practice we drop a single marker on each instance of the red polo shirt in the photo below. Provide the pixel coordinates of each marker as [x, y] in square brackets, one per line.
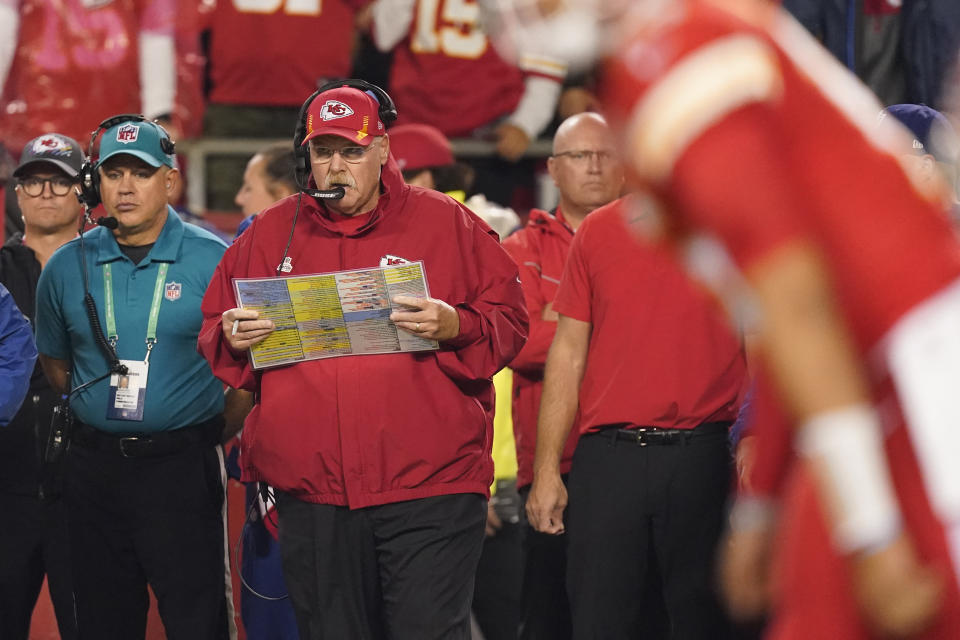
[661, 352]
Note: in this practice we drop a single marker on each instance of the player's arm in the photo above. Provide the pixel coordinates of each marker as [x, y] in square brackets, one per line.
[390, 22]
[157, 59]
[566, 363]
[811, 356]
[543, 81]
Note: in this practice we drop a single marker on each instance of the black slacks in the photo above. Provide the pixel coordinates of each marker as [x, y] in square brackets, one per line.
[496, 596]
[156, 520]
[545, 607]
[401, 571]
[33, 543]
[625, 498]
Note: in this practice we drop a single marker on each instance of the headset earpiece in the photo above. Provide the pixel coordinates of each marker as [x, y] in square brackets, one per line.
[89, 194]
[387, 113]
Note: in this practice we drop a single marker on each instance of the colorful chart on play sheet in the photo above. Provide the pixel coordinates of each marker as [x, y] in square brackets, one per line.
[327, 315]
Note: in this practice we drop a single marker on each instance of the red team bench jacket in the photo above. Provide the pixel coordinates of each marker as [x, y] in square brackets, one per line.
[540, 251]
[374, 429]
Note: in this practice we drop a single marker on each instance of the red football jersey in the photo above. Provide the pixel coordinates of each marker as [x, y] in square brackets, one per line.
[76, 63]
[448, 74]
[274, 52]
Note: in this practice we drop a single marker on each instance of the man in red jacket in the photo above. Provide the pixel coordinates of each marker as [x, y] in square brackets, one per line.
[588, 175]
[382, 462]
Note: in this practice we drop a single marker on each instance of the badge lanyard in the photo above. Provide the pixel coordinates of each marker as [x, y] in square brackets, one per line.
[154, 307]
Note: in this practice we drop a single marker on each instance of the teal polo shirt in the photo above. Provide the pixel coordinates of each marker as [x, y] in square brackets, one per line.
[181, 389]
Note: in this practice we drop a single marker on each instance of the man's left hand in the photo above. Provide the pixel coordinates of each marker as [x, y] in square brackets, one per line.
[427, 318]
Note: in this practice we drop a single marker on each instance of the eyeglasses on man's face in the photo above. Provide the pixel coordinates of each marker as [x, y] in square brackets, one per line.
[352, 154]
[59, 185]
[583, 156]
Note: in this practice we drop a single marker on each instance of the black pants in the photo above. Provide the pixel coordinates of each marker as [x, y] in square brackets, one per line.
[402, 571]
[33, 543]
[156, 520]
[545, 606]
[625, 498]
[496, 595]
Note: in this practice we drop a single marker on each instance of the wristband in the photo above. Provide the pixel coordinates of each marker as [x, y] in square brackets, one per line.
[751, 514]
[847, 444]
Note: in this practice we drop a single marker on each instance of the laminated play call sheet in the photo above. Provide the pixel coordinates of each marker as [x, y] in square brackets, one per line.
[325, 315]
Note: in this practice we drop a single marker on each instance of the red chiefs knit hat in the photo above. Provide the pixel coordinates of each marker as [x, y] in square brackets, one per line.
[345, 112]
[419, 146]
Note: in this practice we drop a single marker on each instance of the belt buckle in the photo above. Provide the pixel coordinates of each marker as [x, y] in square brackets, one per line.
[642, 436]
[128, 440]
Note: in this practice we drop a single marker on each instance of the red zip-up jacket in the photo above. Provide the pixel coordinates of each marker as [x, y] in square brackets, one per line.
[374, 429]
[540, 251]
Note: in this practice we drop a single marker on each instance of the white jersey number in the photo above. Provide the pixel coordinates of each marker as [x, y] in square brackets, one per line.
[449, 27]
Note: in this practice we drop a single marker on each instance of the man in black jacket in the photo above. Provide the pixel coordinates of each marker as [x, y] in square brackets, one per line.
[33, 540]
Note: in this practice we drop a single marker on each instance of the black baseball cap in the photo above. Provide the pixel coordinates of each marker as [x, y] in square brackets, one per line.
[61, 151]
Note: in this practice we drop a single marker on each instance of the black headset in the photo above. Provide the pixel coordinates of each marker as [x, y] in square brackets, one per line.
[301, 174]
[89, 176]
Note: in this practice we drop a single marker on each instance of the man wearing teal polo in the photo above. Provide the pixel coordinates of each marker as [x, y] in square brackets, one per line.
[143, 476]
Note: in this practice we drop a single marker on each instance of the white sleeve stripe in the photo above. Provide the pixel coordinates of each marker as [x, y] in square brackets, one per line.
[702, 89]
[546, 66]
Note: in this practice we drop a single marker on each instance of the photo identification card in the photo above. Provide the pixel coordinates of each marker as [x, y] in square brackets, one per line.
[127, 392]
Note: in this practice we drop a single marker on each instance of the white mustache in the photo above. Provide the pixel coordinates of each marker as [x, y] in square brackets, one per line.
[340, 179]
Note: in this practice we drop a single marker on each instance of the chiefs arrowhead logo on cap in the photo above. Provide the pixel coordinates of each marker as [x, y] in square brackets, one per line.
[51, 145]
[333, 109]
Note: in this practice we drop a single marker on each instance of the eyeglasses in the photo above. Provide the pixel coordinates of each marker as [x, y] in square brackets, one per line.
[59, 186]
[583, 156]
[349, 154]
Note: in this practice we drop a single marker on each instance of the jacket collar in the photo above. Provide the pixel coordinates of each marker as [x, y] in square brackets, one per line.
[548, 222]
[393, 194]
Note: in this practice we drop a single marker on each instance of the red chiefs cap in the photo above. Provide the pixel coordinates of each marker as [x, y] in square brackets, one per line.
[419, 146]
[345, 112]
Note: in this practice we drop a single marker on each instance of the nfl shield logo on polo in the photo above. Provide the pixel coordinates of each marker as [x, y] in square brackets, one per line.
[333, 109]
[128, 133]
[171, 291]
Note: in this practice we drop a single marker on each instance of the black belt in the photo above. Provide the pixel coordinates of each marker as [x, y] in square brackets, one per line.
[644, 436]
[148, 445]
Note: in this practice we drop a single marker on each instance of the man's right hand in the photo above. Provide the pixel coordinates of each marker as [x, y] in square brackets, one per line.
[898, 596]
[546, 502]
[249, 329]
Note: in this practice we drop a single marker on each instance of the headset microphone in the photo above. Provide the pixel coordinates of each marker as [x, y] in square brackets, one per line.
[330, 194]
[107, 221]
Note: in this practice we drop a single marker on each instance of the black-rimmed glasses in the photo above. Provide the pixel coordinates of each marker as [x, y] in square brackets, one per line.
[59, 186]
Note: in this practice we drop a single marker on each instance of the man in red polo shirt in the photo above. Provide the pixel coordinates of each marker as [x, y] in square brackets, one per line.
[588, 174]
[651, 374]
